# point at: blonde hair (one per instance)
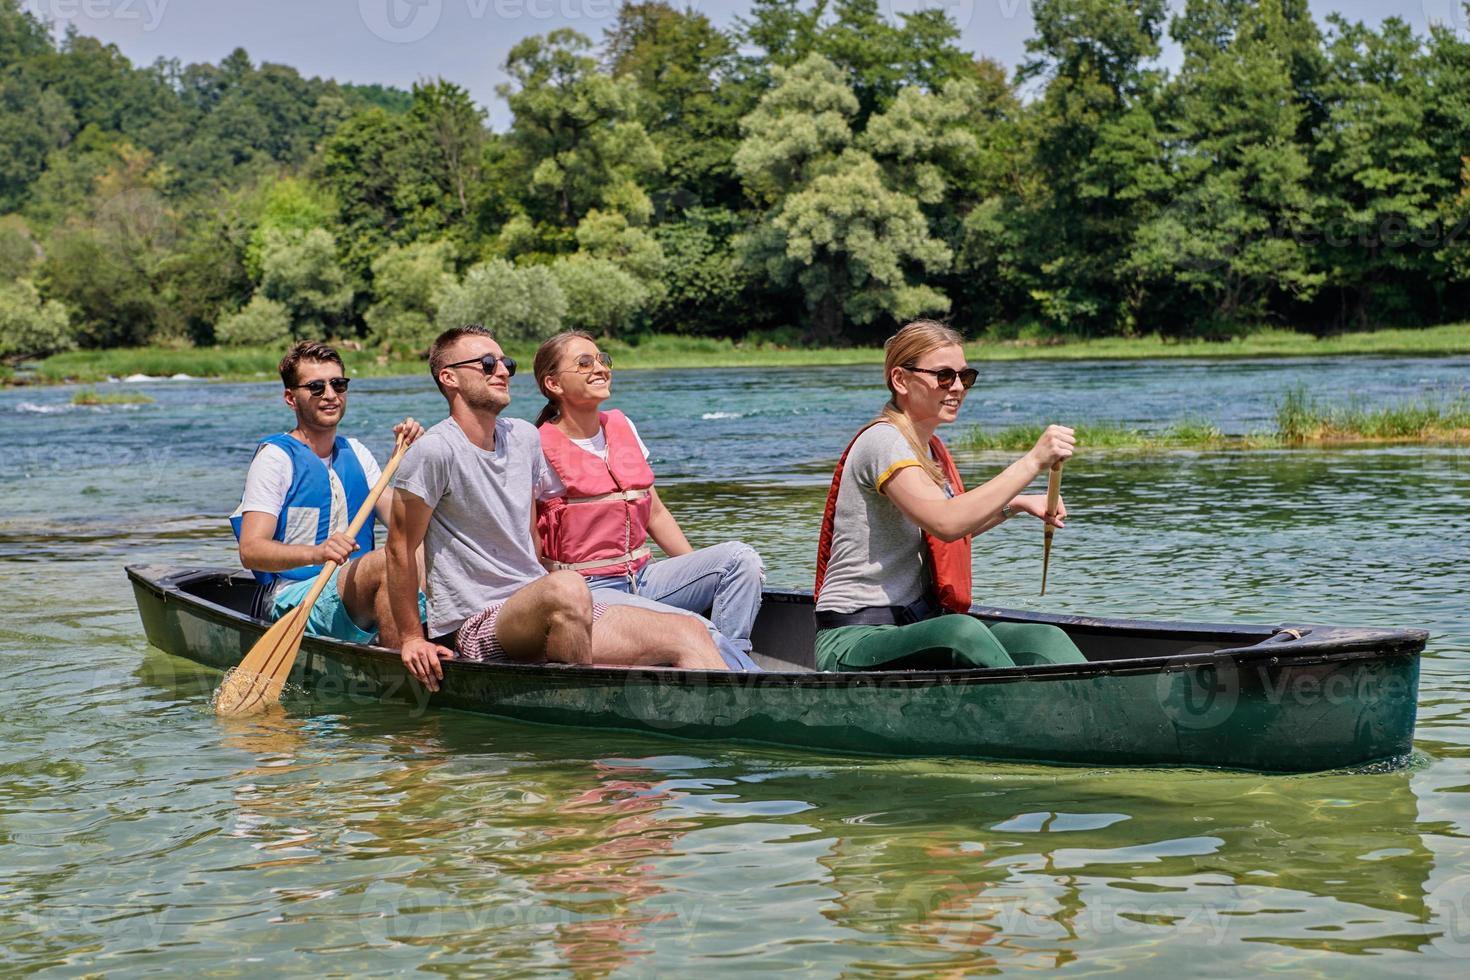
(902, 350)
(548, 356)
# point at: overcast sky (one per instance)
(396, 42)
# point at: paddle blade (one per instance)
(258, 680)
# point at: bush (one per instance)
(408, 281)
(601, 298)
(300, 270)
(515, 304)
(262, 321)
(29, 325)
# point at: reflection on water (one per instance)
(137, 830)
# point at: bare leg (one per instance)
(359, 584)
(627, 636)
(549, 619)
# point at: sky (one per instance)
(397, 42)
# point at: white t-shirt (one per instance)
(597, 446)
(269, 480)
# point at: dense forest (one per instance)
(814, 174)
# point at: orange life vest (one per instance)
(601, 526)
(949, 561)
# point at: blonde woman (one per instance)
(894, 551)
(603, 506)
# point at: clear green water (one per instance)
(139, 832)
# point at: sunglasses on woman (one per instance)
(319, 386)
(946, 376)
(584, 362)
(487, 364)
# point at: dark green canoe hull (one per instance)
(1200, 695)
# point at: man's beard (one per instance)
(484, 398)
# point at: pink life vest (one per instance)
(601, 526)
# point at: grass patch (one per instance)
(1188, 434)
(669, 351)
(91, 396)
(1300, 421)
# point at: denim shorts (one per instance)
(329, 614)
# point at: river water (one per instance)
(139, 832)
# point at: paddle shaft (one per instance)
(1053, 501)
(262, 672)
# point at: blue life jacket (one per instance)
(306, 516)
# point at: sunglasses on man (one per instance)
(487, 364)
(946, 376)
(319, 386)
(584, 362)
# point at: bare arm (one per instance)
(665, 530)
(410, 430)
(976, 510)
(406, 529)
(261, 552)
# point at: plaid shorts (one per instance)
(476, 638)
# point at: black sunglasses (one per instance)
(946, 376)
(583, 363)
(319, 387)
(487, 364)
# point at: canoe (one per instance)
(1291, 698)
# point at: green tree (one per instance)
(516, 304)
(300, 270)
(262, 322)
(288, 206)
(449, 131)
(685, 70)
(835, 228)
(408, 281)
(110, 265)
(18, 250)
(1232, 236)
(702, 279)
(601, 297)
(29, 325)
(575, 131)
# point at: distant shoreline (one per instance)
(667, 351)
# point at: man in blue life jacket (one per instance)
(302, 491)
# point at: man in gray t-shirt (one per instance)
(466, 492)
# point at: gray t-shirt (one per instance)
(479, 546)
(878, 556)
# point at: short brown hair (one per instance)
(307, 350)
(439, 352)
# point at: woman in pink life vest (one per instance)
(893, 555)
(598, 521)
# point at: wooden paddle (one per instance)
(258, 680)
(1053, 500)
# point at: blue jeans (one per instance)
(724, 580)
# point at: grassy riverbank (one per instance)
(1300, 421)
(254, 364)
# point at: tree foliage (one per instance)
(824, 168)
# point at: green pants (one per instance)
(944, 643)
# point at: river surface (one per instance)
(138, 832)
